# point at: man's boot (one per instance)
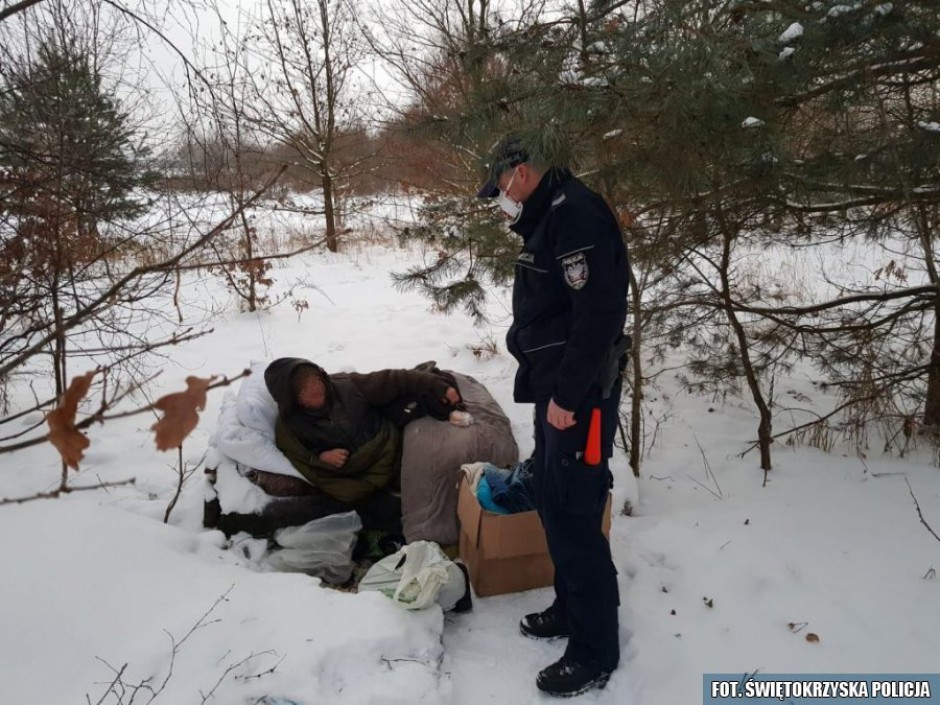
(548, 624)
(566, 678)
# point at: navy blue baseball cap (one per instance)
(509, 152)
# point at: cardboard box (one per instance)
(504, 552)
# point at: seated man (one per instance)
(342, 432)
(332, 427)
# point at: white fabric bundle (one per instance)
(416, 577)
(245, 432)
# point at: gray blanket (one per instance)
(432, 456)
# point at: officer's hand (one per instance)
(452, 396)
(559, 418)
(335, 458)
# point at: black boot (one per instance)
(548, 624)
(566, 678)
(211, 511)
(465, 603)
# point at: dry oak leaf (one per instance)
(68, 440)
(179, 413)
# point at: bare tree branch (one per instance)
(920, 514)
(100, 416)
(67, 490)
(17, 7)
(78, 317)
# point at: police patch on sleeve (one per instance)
(576, 270)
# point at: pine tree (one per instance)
(732, 128)
(65, 144)
(70, 168)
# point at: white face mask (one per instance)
(510, 207)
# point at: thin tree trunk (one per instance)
(920, 217)
(636, 403)
(329, 212)
(58, 364)
(932, 402)
(249, 251)
(765, 426)
(582, 34)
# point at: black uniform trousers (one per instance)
(571, 497)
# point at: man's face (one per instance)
(519, 182)
(509, 182)
(312, 394)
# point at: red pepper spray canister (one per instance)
(592, 451)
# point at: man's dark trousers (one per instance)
(571, 497)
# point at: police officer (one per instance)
(569, 309)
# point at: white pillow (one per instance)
(248, 446)
(256, 407)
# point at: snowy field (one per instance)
(717, 574)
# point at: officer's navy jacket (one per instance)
(570, 293)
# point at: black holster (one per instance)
(614, 363)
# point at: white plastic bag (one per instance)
(417, 576)
(322, 547)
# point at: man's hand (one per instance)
(335, 458)
(559, 418)
(452, 396)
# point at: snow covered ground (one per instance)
(717, 574)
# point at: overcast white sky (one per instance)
(192, 27)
